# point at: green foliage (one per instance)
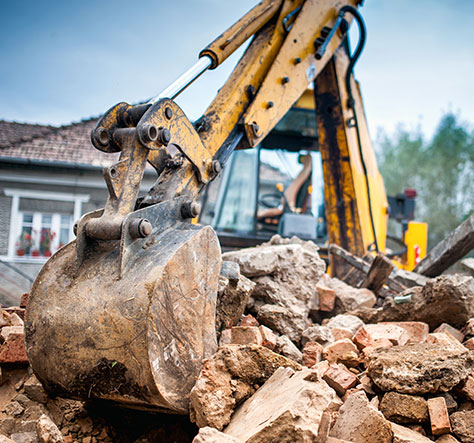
(441, 170)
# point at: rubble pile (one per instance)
(302, 357)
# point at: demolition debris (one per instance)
(372, 355)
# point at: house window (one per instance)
(42, 234)
(41, 222)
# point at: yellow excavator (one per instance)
(126, 312)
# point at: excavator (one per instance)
(126, 311)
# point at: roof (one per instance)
(68, 144)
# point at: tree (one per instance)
(441, 170)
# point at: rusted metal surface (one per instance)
(140, 339)
(339, 193)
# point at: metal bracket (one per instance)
(168, 118)
(162, 216)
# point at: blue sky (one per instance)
(63, 61)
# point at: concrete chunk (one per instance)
(211, 435)
(401, 434)
(287, 348)
(47, 431)
(228, 378)
(419, 368)
(288, 407)
(402, 408)
(360, 423)
(463, 425)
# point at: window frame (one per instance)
(16, 216)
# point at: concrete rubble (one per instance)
(302, 357)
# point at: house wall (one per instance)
(31, 182)
(5, 206)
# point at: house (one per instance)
(49, 177)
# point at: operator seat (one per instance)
(294, 197)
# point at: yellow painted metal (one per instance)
(416, 240)
(294, 67)
(306, 101)
(239, 32)
(227, 108)
(377, 188)
(183, 136)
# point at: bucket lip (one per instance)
(180, 400)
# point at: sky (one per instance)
(63, 61)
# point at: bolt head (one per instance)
(102, 136)
(255, 129)
(190, 209)
(216, 167)
(145, 228)
(164, 136)
(168, 113)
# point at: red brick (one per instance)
(445, 327)
(396, 334)
(342, 351)
(248, 320)
(16, 310)
(327, 298)
(312, 354)
(341, 333)
(241, 335)
(340, 379)
(13, 349)
(269, 339)
(417, 331)
(24, 300)
(439, 417)
(362, 338)
(469, 344)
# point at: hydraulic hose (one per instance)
(351, 104)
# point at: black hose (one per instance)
(351, 103)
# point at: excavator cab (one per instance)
(275, 188)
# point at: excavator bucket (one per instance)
(131, 322)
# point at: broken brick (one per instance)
(241, 335)
(312, 353)
(269, 339)
(439, 417)
(341, 333)
(327, 298)
(340, 379)
(24, 300)
(342, 351)
(367, 334)
(13, 349)
(445, 327)
(248, 320)
(417, 331)
(469, 344)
